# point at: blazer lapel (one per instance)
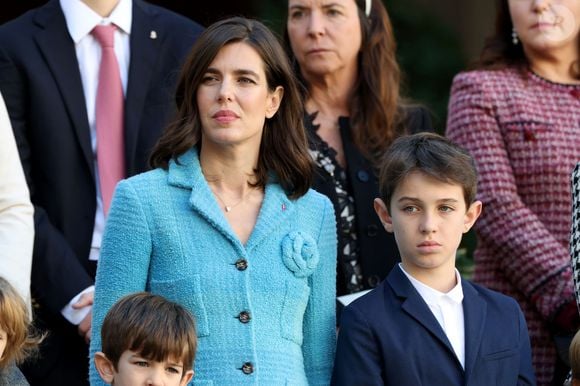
(474, 314)
(58, 49)
(414, 305)
(143, 58)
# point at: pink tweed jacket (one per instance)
(524, 133)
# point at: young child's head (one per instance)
(17, 340)
(427, 199)
(575, 359)
(146, 337)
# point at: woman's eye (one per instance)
(333, 12)
(209, 79)
(247, 81)
(295, 15)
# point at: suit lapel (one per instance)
(58, 49)
(414, 305)
(475, 312)
(143, 58)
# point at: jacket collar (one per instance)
(276, 207)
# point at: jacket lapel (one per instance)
(58, 49)
(414, 305)
(143, 59)
(474, 311)
(276, 207)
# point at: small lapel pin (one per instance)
(283, 206)
(153, 34)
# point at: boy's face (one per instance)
(134, 370)
(428, 218)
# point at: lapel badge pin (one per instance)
(153, 34)
(283, 206)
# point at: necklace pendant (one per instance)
(228, 208)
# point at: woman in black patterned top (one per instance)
(345, 55)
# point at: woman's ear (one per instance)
(383, 213)
(274, 100)
(104, 367)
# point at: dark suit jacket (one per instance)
(41, 84)
(364, 185)
(391, 337)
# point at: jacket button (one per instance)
(372, 230)
(373, 281)
(244, 317)
(248, 368)
(363, 176)
(241, 264)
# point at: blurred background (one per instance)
(436, 40)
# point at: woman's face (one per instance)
(325, 35)
(546, 26)
(234, 99)
(3, 341)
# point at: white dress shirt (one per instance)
(447, 309)
(80, 21)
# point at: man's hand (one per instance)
(84, 327)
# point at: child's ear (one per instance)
(104, 367)
(186, 377)
(471, 215)
(383, 213)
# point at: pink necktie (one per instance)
(109, 116)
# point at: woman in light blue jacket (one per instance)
(226, 223)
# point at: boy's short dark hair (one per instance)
(432, 155)
(152, 326)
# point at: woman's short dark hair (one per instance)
(284, 147)
(499, 51)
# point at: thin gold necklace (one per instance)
(227, 207)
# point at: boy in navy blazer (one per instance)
(425, 325)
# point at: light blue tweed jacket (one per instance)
(166, 234)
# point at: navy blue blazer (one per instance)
(41, 84)
(391, 337)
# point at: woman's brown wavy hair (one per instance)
(376, 108)
(499, 51)
(284, 147)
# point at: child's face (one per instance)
(3, 341)
(428, 218)
(134, 370)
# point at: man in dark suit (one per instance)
(49, 72)
(424, 325)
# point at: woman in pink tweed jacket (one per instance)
(519, 116)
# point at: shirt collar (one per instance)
(81, 19)
(432, 296)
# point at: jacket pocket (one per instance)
(493, 356)
(187, 292)
(295, 302)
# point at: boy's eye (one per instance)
(446, 208)
(173, 370)
(141, 363)
(410, 209)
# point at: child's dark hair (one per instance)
(152, 326)
(432, 155)
(21, 338)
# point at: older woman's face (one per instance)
(546, 26)
(325, 35)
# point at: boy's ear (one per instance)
(186, 377)
(104, 367)
(471, 215)
(383, 213)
